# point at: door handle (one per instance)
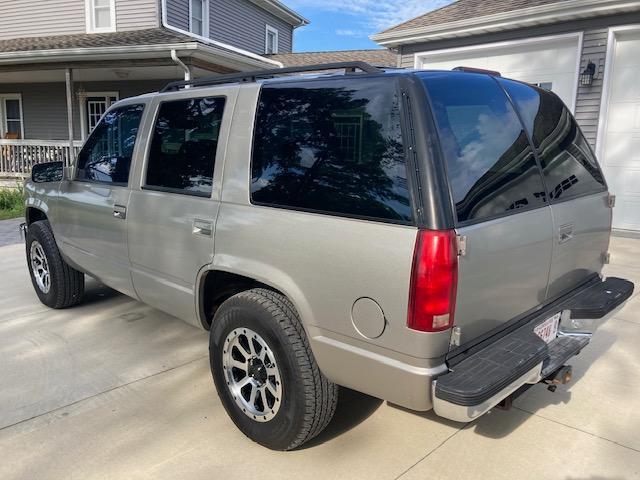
(565, 234)
(202, 227)
(120, 211)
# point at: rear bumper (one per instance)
(484, 378)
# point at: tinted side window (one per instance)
(106, 156)
(331, 146)
(490, 162)
(183, 147)
(569, 165)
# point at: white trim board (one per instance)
(578, 36)
(609, 65)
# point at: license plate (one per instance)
(548, 330)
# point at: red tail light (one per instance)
(434, 280)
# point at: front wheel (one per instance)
(265, 372)
(56, 283)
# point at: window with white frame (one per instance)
(271, 40)
(199, 17)
(93, 105)
(12, 126)
(101, 16)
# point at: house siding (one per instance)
(44, 105)
(594, 48)
(178, 13)
(240, 23)
(27, 18)
(137, 14)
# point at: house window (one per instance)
(271, 40)
(11, 115)
(93, 105)
(199, 17)
(100, 16)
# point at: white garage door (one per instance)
(621, 149)
(549, 63)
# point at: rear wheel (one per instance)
(56, 283)
(265, 372)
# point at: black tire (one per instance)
(308, 398)
(66, 285)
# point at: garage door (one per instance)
(621, 149)
(549, 63)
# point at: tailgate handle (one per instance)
(566, 234)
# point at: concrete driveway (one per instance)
(115, 389)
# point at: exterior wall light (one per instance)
(586, 77)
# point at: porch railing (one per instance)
(18, 156)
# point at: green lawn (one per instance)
(11, 203)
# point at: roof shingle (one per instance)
(466, 9)
(153, 36)
(379, 57)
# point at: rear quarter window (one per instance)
(569, 166)
(491, 167)
(332, 146)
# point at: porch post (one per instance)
(68, 75)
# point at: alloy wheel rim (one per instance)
(40, 267)
(252, 374)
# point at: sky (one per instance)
(347, 24)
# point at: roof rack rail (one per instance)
(243, 77)
(493, 73)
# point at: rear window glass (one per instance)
(333, 147)
(491, 167)
(569, 166)
(183, 147)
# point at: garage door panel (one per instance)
(622, 150)
(551, 61)
(624, 117)
(625, 85)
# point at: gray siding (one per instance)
(44, 105)
(242, 24)
(594, 49)
(239, 23)
(137, 14)
(29, 18)
(178, 13)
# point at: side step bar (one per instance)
(483, 379)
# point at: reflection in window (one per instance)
(331, 146)
(106, 156)
(569, 165)
(183, 148)
(490, 163)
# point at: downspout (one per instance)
(181, 64)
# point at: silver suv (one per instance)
(431, 238)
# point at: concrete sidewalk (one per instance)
(115, 389)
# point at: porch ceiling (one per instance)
(99, 71)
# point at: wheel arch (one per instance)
(34, 214)
(220, 282)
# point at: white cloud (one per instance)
(349, 32)
(374, 15)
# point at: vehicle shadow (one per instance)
(353, 409)
(96, 292)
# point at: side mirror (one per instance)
(47, 172)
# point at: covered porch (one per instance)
(52, 98)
